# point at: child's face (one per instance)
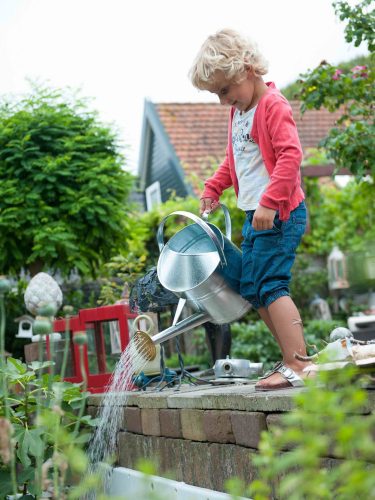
(240, 95)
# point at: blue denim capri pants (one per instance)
(268, 256)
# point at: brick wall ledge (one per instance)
(201, 435)
(208, 397)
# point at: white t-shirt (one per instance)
(251, 172)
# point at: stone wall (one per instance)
(202, 435)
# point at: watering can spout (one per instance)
(182, 326)
(146, 345)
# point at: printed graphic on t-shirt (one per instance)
(241, 135)
(251, 172)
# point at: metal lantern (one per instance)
(337, 270)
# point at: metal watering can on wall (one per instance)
(202, 267)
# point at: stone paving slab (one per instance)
(209, 397)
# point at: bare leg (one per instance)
(264, 314)
(287, 323)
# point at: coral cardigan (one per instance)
(275, 132)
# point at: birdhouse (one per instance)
(25, 327)
(337, 270)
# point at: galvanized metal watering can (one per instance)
(202, 267)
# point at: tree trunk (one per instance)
(36, 267)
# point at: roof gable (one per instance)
(198, 131)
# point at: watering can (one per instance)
(203, 268)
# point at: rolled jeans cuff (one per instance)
(274, 296)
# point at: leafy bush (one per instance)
(350, 144)
(63, 190)
(328, 421)
(40, 418)
(342, 217)
(306, 283)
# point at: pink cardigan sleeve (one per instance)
(287, 151)
(221, 180)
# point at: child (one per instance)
(262, 163)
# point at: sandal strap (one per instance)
(273, 370)
(289, 374)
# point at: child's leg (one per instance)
(264, 314)
(289, 334)
(285, 316)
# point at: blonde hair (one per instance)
(228, 52)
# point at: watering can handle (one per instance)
(148, 320)
(201, 223)
(228, 222)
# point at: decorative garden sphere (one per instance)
(340, 333)
(42, 290)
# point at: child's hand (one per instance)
(263, 218)
(208, 205)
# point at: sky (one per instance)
(121, 52)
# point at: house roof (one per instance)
(198, 131)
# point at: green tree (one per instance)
(63, 190)
(350, 144)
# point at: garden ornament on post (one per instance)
(337, 274)
(42, 290)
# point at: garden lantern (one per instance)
(337, 270)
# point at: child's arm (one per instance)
(215, 185)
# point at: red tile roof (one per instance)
(198, 131)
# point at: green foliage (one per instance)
(344, 217)
(254, 341)
(349, 144)
(292, 91)
(42, 431)
(306, 283)
(40, 417)
(201, 354)
(122, 270)
(328, 421)
(63, 190)
(361, 22)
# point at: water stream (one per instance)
(103, 445)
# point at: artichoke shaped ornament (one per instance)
(42, 290)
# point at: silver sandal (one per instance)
(291, 378)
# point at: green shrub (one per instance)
(328, 421)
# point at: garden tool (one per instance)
(236, 370)
(203, 268)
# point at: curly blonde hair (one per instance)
(230, 53)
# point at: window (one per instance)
(153, 195)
